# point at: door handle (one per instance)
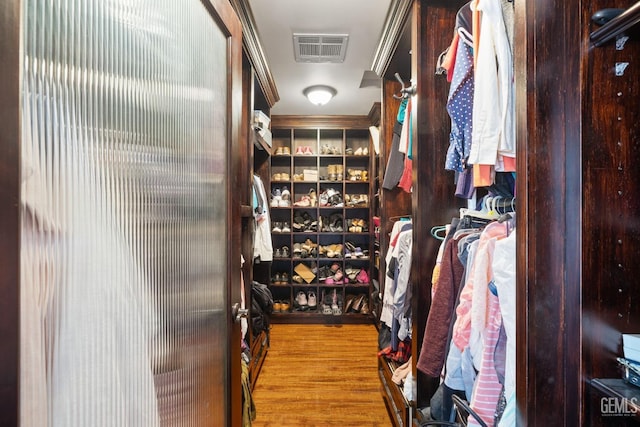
(239, 313)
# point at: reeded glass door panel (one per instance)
(123, 258)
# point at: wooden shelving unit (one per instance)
(314, 162)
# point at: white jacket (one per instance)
(262, 244)
(493, 102)
(504, 270)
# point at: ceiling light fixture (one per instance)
(319, 94)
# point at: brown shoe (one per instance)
(356, 305)
(348, 302)
(364, 308)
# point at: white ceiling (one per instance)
(277, 20)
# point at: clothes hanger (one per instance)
(506, 205)
(439, 229)
(400, 218)
(485, 213)
(510, 222)
(494, 205)
(466, 36)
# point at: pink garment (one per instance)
(483, 274)
(406, 182)
(462, 327)
(509, 164)
(487, 387)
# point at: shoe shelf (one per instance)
(259, 349)
(322, 238)
(401, 411)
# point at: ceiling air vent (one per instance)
(320, 47)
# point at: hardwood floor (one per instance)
(320, 375)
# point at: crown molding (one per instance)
(253, 49)
(324, 122)
(391, 32)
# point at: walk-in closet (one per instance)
(385, 213)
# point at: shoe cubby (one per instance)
(320, 193)
(356, 194)
(331, 221)
(305, 195)
(357, 143)
(356, 303)
(305, 142)
(305, 220)
(305, 299)
(281, 300)
(357, 221)
(305, 169)
(305, 247)
(331, 169)
(281, 143)
(280, 169)
(331, 246)
(331, 142)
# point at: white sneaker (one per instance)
(276, 198)
(301, 299)
(285, 194)
(286, 228)
(313, 301)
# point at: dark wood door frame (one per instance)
(237, 137)
(9, 209)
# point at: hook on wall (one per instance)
(405, 92)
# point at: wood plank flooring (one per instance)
(320, 375)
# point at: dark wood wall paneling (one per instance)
(611, 208)
(548, 51)
(246, 179)
(434, 202)
(578, 210)
(246, 147)
(9, 212)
